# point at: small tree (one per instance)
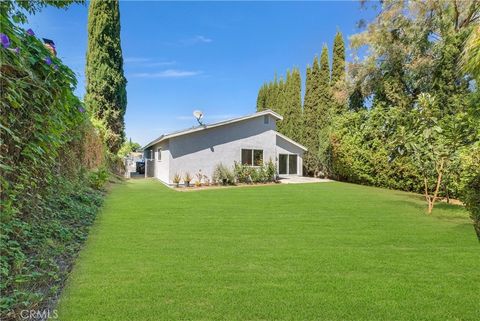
(432, 143)
(128, 147)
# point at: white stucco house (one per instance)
(249, 140)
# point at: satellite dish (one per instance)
(198, 115)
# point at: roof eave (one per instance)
(199, 128)
(288, 139)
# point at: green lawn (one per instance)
(328, 251)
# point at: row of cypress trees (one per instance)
(325, 95)
(284, 97)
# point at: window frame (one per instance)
(252, 157)
(159, 154)
(288, 157)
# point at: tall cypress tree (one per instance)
(311, 117)
(261, 98)
(325, 113)
(284, 97)
(338, 82)
(279, 101)
(106, 95)
(338, 59)
(324, 91)
(271, 96)
(295, 106)
(282, 104)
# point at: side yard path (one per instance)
(281, 252)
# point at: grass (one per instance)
(328, 251)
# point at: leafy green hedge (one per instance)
(470, 183)
(362, 146)
(48, 149)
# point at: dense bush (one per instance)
(362, 151)
(248, 174)
(38, 250)
(223, 175)
(98, 178)
(470, 183)
(48, 147)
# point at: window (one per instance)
(257, 157)
(266, 119)
(252, 157)
(159, 154)
(247, 157)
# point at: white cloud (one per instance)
(147, 62)
(195, 40)
(202, 39)
(136, 59)
(169, 73)
(160, 63)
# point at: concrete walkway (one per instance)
(302, 180)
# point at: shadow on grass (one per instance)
(441, 210)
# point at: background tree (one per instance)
(284, 97)
(128, 147)
(414, 49)
(338, 81)
(106, 96)
(281, 103)
(325, 111)
(289, 105)
(261, 98)
(311, 118)
(471, 53)
(272, 93)
(294, 113)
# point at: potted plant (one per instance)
(176, 179)
(187, 179)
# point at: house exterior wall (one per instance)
(286, 147)
(162, 166)
(149, 162)
(204, 150)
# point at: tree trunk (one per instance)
(432, 199)
(427, 194)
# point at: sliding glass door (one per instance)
(292, 164)
(287, 164)
(282, 164)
